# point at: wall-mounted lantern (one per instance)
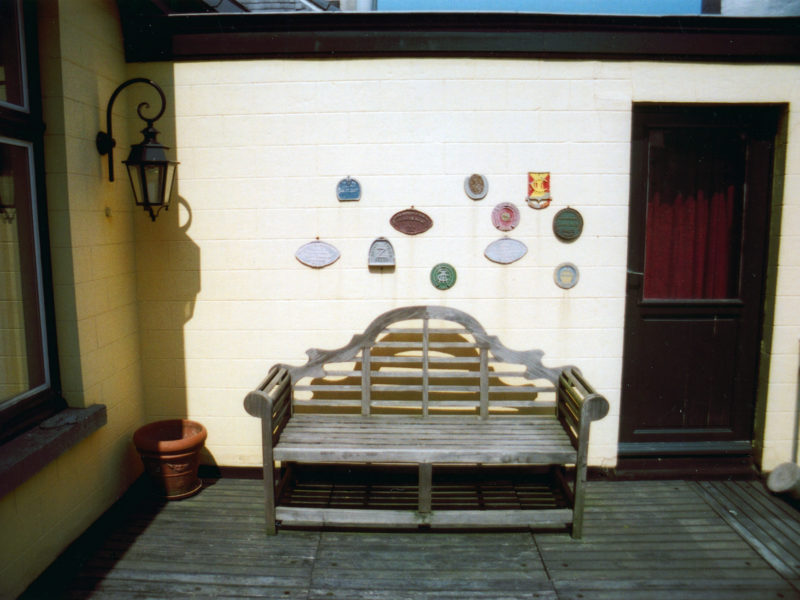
(151, 173)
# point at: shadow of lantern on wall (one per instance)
(151, 172)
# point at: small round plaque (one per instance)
(566, 275)
(476, 186)
(443, 276)
(505, 216)
(568, 224)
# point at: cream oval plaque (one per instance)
(317, 254)
(505, 251)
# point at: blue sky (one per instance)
(614, 7)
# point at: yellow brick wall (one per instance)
(95, 292)
(262, 145)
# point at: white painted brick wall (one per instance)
(262, 145)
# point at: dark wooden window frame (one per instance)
(151, 34)
(25, 125)
(37, 429)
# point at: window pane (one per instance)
(12, 85)
(694, 214)
(22, 364)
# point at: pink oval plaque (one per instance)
(411, 221)
(505, 216)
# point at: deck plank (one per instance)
(768, 525)
(642, 541)
(651, 540)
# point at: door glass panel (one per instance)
(22, 366)
(694, 213)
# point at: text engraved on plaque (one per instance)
(568, 224)
(317, 254)
(505, 251)
(381, 253)
(411, 221)
(348, 190)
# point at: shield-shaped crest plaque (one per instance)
(539, 190)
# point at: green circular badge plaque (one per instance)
(443, 276)
(568, 224)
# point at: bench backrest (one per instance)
(423, 360)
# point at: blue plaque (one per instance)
(348, 190)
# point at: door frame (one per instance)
(761, 122)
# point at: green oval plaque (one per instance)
(568, 224)
(443, 276)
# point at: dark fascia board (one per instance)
(154, 36)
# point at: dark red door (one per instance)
(699, 217)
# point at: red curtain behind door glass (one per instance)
(693, 216)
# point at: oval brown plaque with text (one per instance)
(411, 221)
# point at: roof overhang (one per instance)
(152, 35)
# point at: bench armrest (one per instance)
(578, 404)
(272, 402)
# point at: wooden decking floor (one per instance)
(642, 540)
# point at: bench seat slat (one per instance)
(315, 403)
(434, 374)
(336, 438)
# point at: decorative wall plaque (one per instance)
(381, 253)
(539, 190)
(568, 224)
(443, 276)
(505, 216)
(566, 275)
(411, 221)
(476, 186)
(505, 251)
(348, 190)
(317, 254)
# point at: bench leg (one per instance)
(578, 501)
(425, 487)
(269, 477)
(269, 499)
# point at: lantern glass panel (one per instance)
(170, 183)
(136, 184)
(154, 183)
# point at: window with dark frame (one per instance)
(28, 365)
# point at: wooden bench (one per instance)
(425, 386)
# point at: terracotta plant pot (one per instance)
(170, 451)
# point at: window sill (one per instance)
(31, 451)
